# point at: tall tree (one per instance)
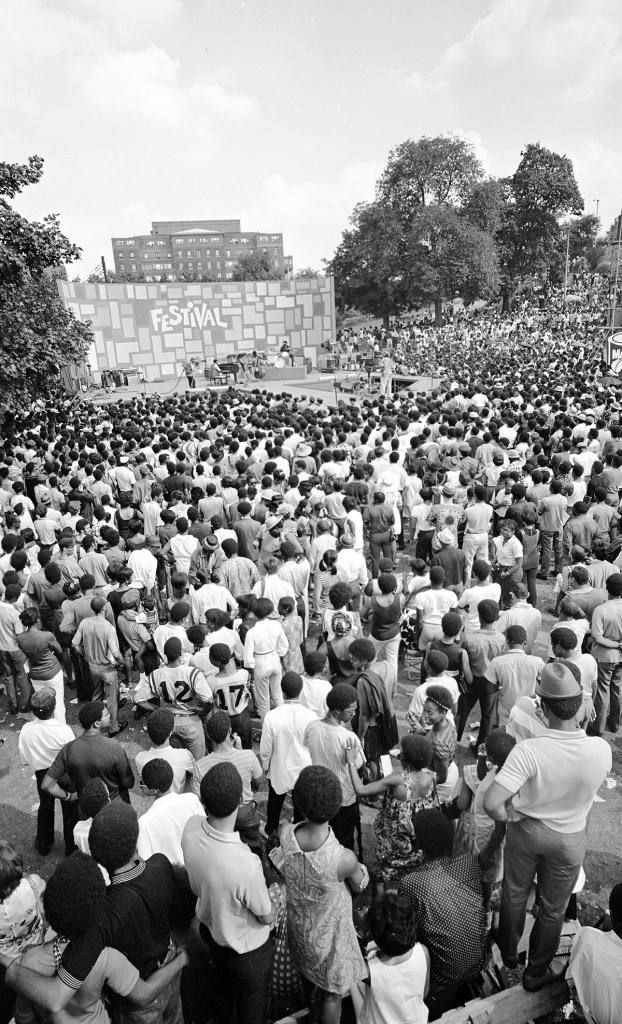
(446, 254)
(38, 335)
(428, 172)
(541, 191)
(256, 266)
(369, 265)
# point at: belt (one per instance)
(185, 714)
(263, 654)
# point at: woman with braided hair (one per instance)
(442, 734)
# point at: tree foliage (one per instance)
(38, 335)
(369, 263)
(428, 172)
(256, 266)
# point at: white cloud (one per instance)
(559, 51)
(312, 214)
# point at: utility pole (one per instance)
(615, 285)
(597, 201)
(566, 266)
(104, 270)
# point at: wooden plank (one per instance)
(512, 1006)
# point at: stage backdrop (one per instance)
(158, 326)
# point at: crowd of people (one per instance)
(221, 566)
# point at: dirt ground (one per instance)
(603, 865)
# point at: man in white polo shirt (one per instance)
(545, 791)
(234, 907)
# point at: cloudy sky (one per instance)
(282, 113)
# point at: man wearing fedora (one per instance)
(207, 558)
(544, 792)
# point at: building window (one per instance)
(179, 241)
(180, 266)
(265, 250)
(133, 268)
(229, 277)
(188, 252)
(161, 242)
(243, 241)
(132, 255)
(151, 243)
(215, 238)
(199, 266)
(274, 238)
(216, 252)
(228, 252)
(179, 252)
(191, 266)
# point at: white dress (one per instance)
(395, 992)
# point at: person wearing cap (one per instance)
(607, 649)
(565, 647)
(545, 792)
(206, 558)
(39, 742)
(185, 691)
(96, 641)
(513, 675)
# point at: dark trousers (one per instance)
(532, 847)
(274, 808)
(423, 547)
(529, 579)
(245, 977)
(241, 724)
(551, 540)
(13, 675)
(45, 818)
(608, 699)
(344, 824)
(485, 692)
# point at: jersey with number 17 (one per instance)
(231, 692)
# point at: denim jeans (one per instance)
(13, 675)
(556, 857)
(551, 539)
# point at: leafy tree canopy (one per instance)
(428, 172)
(38, 335)
(256, 266)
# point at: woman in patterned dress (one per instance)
(404, 792)
(319, 907)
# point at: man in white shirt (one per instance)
(161, 827)
(545, 792)
(160, 725)
(39, 743)
(182, 546)
(143, 565)
(282, 752)
(596, 965)
(264, 646)
(521, 613)
(234, 908)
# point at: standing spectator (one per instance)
(160, 726)
(596, 965)
(234, 908)
(328, 739)
(161, 827)
(39, 743)
(96, 640)
(319, 915)
(607, 649)
(282, 751)
(552, 511)
(90, 756)
(12, 660)
(187, 693)
(553, 780)
(264, 646)
(44, 654)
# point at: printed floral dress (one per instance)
(397, 851)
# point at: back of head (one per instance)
(440, 696)
(91, 713)
(436, 662)
(317, 794)
(498, 746)
(488, 612)
(451, 623)
(434, 833)
(160, 725)
(437, 576)
(291, 685)
(180, 611)
(113, 835)
(172, 649)
(481, 569)
(393, 923)
(218, 726)
(73, 895)
(221, 790)
(94, 796)
(157, 774)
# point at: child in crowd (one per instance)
(398, 967)
(315, 685)
(436, 675)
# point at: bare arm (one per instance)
(495, 801)
(49, 993)
(144, 992)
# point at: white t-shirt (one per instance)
(596, 965)
(434, 604)
(314, 693)
(161, 827)
(419, 696)
(555, 777)
(470, 599)
(180, 760)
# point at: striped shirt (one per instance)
(327, 743)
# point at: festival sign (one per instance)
(614, 353)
